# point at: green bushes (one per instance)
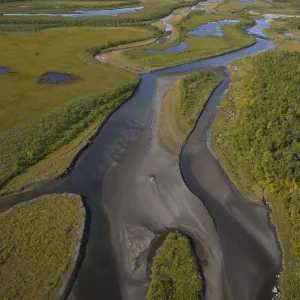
(25, 144)
(195, 90)
(259, 132)
(38, 241)
(182, 106)
(175, 272)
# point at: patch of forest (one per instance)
(257, 137)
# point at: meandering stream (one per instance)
(238, 250)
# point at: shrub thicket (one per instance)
(27, 143)
(175, 274)
(261, 135)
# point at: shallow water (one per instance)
(86, 13)
(247, 2)
(55, 78)
(259, 26)
(178, 48)
(212, 28)
(249, 269)
(4, 70)
(289, 34)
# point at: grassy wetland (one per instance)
(49, 116)
(199, 47)
(39, 241)
(52, 122)
(182, 106)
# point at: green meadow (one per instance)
(152, 10)
(39, 119)
(38, 240)
(199, 47)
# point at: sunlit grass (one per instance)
(38, 241)
(38, 119)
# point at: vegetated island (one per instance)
(175, 273)
(182, 106)
(256, 136)
(40, 242)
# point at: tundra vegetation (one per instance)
(50, 123)
(175, 274)
(182, 106)
(199, 47)
(38, 240)
(256, 136)
(42, 118)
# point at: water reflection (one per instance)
(212, 28)
(178, 48)
(86, 13)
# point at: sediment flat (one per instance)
(151, 193)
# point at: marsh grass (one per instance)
(40, 119)
(38, 240)
(153, 10)
(199, 47)
(182, 106)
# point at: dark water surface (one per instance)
(3, 70)
(249, 268)
(212, 28)
(86, 13)
(55, 78)
(247, 2)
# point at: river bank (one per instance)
(151, 194)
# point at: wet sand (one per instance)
(250, 248)
(159, 202)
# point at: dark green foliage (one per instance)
(195, 90)
(262, 135)
(175, 274)
(24, 145)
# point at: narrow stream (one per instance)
(249, 248)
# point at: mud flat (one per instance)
(151, 194)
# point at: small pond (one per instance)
(212, 28)
(289, 34)
(86, 13)
(178, 48)
(3, 70)
(55, 78)
(247, 2)
(259, 26)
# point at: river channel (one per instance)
(232, 236)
